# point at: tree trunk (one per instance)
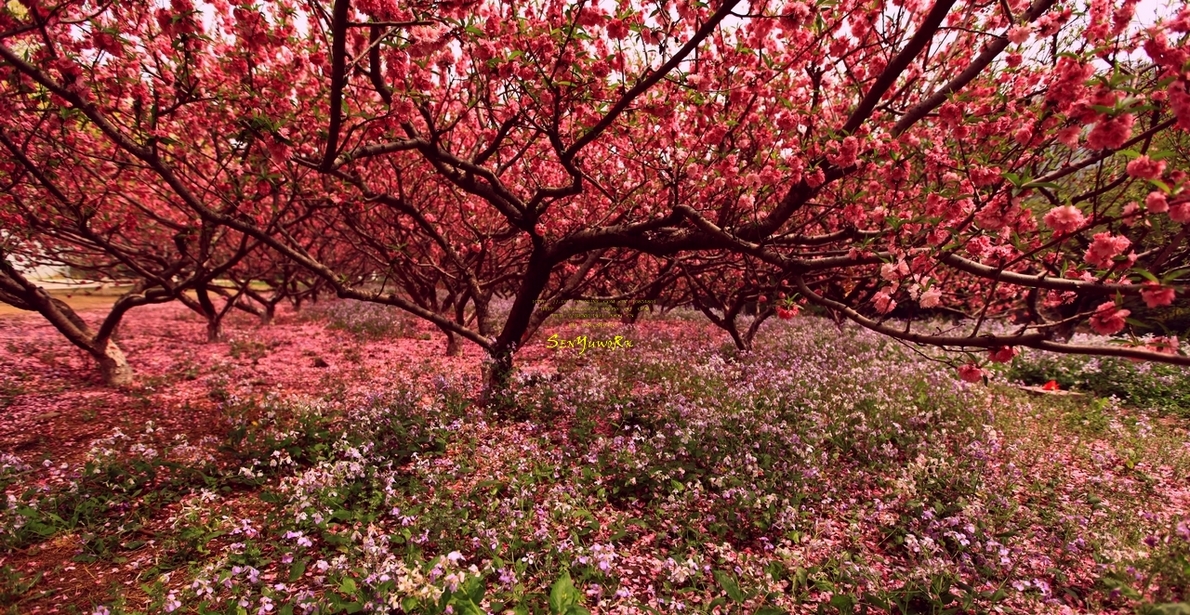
(742, 343)
(750, 335)
(499, 371)
(113, 366)
(214, 330)
(268, 313)
(497, 376)
(453, 349)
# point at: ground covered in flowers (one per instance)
(334, 462)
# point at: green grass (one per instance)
(1141, 385)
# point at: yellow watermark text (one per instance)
(582, 342)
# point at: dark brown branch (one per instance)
(643, 85)
(338, 72)
(1038, 281)
(972, 71)
(888, 77)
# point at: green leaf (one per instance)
(474, 589)
(299, 568)
(730, 586)
(1146, 275)
(464, 606)
(843, 602)
(563, 595)
(770, 610)
(347, 586)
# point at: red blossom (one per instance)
(1003, 354)
(970, 372)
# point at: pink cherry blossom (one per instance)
(1108, 319)
(1065, 219)
(930, 298)
(1146, 168)
(884, 302)
(1018, 34)
(1163, 345)
(1111, 133)
(894, 271)
(1155, 295)
(1104, 247)
(1156, 202)
(1069, 136)
(1180, 212)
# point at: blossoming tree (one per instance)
(995, 155)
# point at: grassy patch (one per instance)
(365, 321)
(1141, 385)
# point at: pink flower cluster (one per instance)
(1146, 168)
(1104, 247)
(1156, 295)
(1111, 132)
(1108, 319)
(848, 150)
(1065, 220)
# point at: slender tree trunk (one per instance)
(214, 330)
(114, 367)
(268, 313)
(499, 369)
(19, 292)
(453, 349)
(497, 377)
(758, 320)
(743, 343)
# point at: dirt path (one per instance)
(77, 298)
